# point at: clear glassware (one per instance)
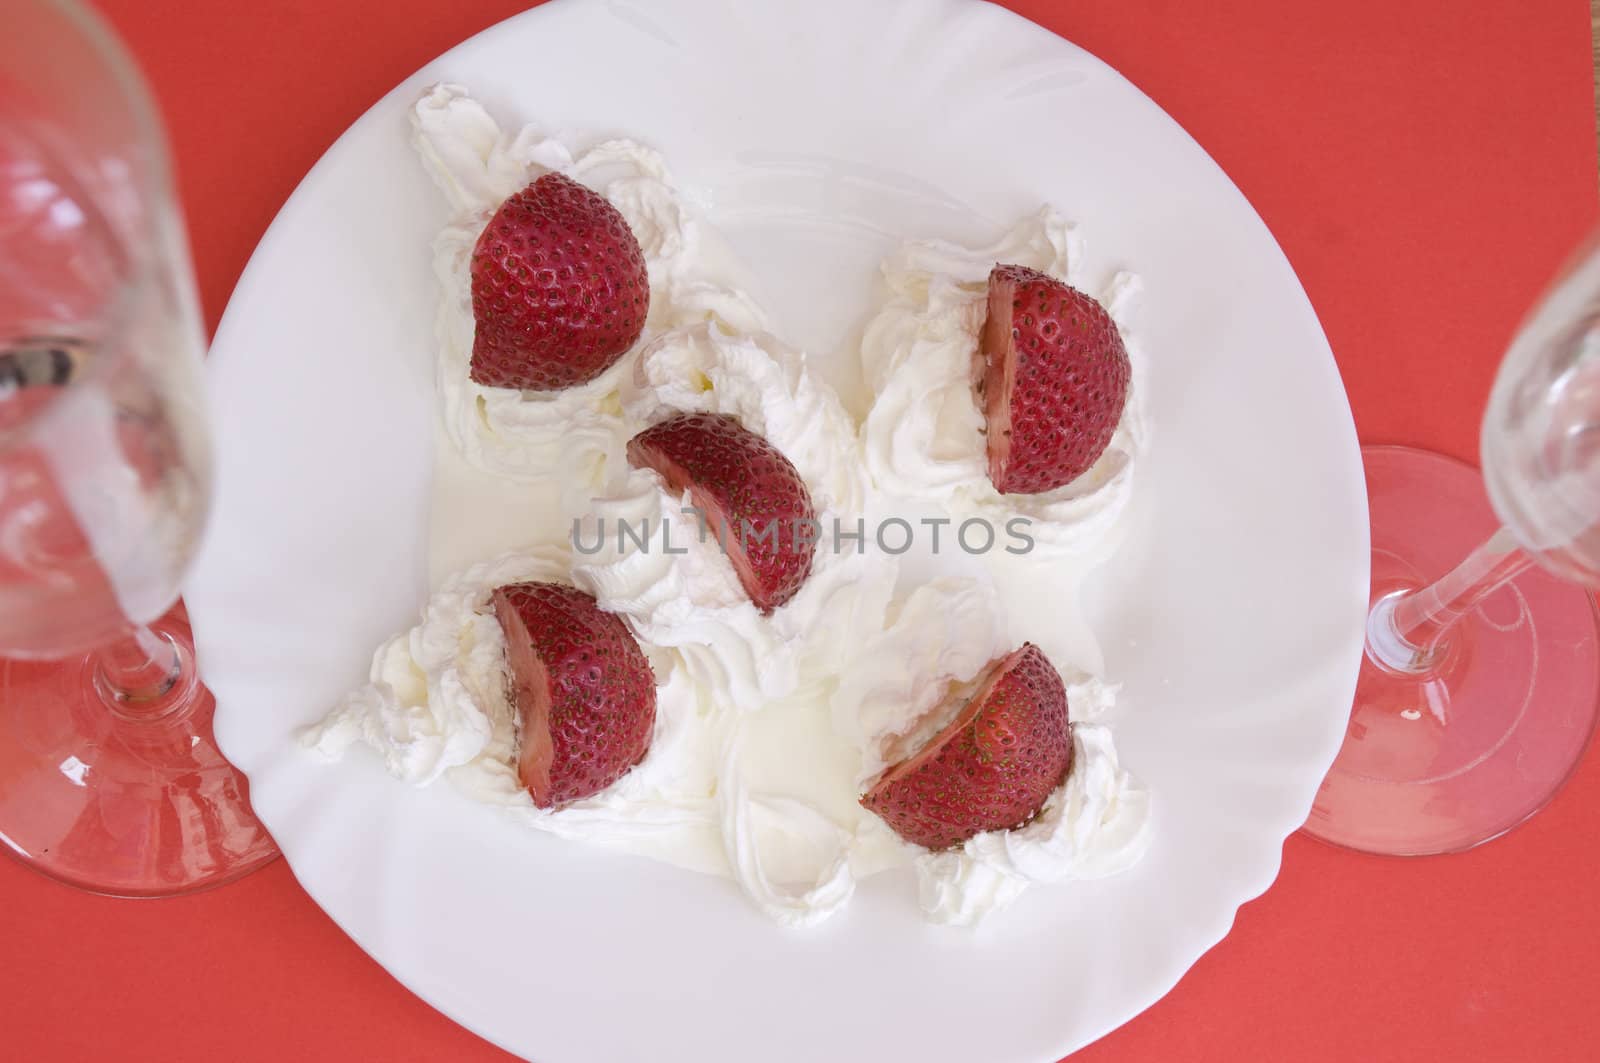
(110, 779)
(1478, 692)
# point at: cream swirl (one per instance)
(1097, 822)
(923, 435)
(769, 387)
(677, 588)
(704, 797)
(1095, 825)
(530, 435)
(436, 704)
(768, 726)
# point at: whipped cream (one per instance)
(1097, 823)
(768, 727)
(693, 600)
(437, 704)
(923, 436)
(678, 589)
(575, 433)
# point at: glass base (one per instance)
(1447, 761)
(131, 801)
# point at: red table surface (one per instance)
(1424, 163)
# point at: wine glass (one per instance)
(110, 779)
(1478, 692)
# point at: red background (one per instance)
(1425, 164)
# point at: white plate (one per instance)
(1233, 615)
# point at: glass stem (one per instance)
(142, 666)
(1405, 631)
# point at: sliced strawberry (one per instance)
(559, 290)
(1052, 377)
(992, 767)
(583, 690)
(752, 498)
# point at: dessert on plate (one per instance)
(682, 587)
(1005, 749)
(717, 665)
(748, 495)
(494, 420)
(937, 425)
(922, 719)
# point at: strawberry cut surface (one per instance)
(992, 767)
(584, 691)
(752, 498)
(1052, 376)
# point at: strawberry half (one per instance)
(990, 768)
(559, 289)
(582, 688)
(1052, 378)
(751, 497)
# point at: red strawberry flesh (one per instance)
(994, 370)
(559, 289)
(583, 690)
(752, 498)
(992, 767)
(1052, 377)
